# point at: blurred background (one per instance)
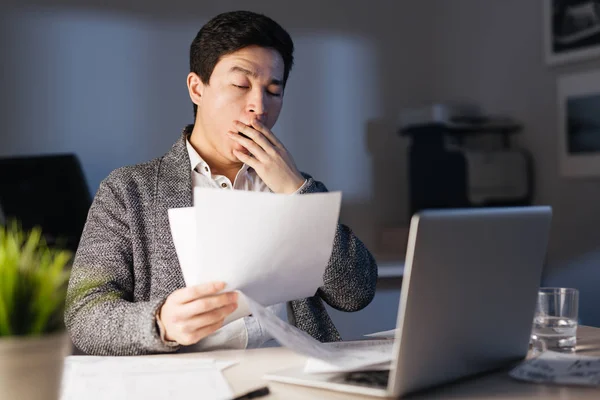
(105, 82)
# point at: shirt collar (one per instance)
(195, 159)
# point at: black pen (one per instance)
(260, 392)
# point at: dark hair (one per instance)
(232, 31)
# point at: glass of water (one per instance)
(555, 320)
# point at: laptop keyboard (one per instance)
(377, 379)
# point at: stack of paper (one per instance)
(143, 377)
(272, 247)
(374, 348)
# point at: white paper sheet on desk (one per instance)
(144, 377)
(183, 231)
(149, 361)
(383, 347)
(559, 368)
(347, 357)
(272, 247)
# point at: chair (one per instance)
(49, 191)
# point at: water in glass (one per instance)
(554, 334)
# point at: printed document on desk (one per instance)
(272, 247)
(143, 377)
(559, 368)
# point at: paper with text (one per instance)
(142, 377)
(559, 368)
(348, 357)
(273, 247)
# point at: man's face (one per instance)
(244, 85)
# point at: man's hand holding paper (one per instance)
(192, 313)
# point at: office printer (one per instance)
(461, 157)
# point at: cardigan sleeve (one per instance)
(351, 275)
(100, 314)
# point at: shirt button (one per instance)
(223, 185)
(206, 169)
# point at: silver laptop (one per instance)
(466, 304)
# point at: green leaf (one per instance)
(33, 282)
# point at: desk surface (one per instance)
(253, 364)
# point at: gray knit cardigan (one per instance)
(126, 264)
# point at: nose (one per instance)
(257, 104)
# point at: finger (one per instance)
(191, 293)
(250, 145)
(205, 331)
(256, 124)
(255, 135)
(208, 304)
(194, 337)
(246, 159)
(210, 318)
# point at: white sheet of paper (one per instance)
(223, 365)
(183, 230)
(559, 368)
(316, 366)
(273, 247)
(347, 357)
(145, 377)
(383, 334)
(382, 347)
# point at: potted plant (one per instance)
(33, 340)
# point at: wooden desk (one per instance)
(253, 364)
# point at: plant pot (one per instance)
(31, 367)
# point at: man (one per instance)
(126, 294)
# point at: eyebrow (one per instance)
(254, 74)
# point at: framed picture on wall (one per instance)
(571, 30)
(579, 124)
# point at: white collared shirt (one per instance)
(245, 332)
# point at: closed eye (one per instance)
(248, 87)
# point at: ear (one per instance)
(195, 88)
